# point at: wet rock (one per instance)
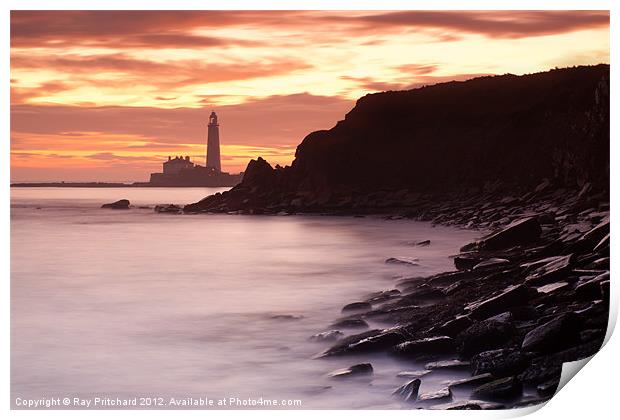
(560, 332)
(553, 287)
(465, 262)
(484, 335)
(591, 289)
(447, 364)
(491, 262)
(437, 397)
(499, 363)
(470, 382)
(286, 317)
(499, 389)
(408, 391)
(423, 243)
(381, 340)
(548, 388)
(605, 290)
(117, 205)
(520, 232)
(553, 270)
(362, 369)
(350, 323)
(402, 260)
(357, 307)
(455, 326)
(331, 335)
(457, 405)
(431, 345)
(511, 296)
(505, 317)
(168, 208)
(382, 296)
(413, 374)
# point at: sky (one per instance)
(109, 95)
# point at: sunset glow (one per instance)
(108, 96)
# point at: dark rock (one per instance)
(350, 323)
(117, 205)
(168, 208)
(413, 374)
(447, 365)
(382, 296)
(357, 307)
(437, 397)
(591, 289)
(402, 260)
(455, 326)
(331, 335)
(465, 262)
(511, 296)
(491, 262)
(520, 232)
(408, 391)
(424, 346)
(258, 173)
(499, 363)
(505, 317)
(561, 332)
(457, 405)
(471, 382)
(551, 271)
(382, 340)
(548, 388)
(499, 389)
(423, 243)
(362, 369)
(484, 335)
(553, 287)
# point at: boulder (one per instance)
(258, 173)
(447, 364)
(357, 307)
(466, 262)
(168, 208)
(471, 382)
(350, 323)
(380, 341)
(331, 335)
(436, 397)
(117, 205)
(511, 296)
(413, 373)
(520, 232)
(500, 363)
(454, 326)
(362, 369)
(425, 346)
(408, 391)
(499, 389)
(548, 388)
(551, 271)
(591, 289)
(402, 260)
(557, 334)
(484, 335)
(491, 262)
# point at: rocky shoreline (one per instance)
(521, 301)
(524, 157)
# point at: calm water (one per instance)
(133, 303)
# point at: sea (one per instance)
(138, 309)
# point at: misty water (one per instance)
(132, 303)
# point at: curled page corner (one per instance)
(569, 370)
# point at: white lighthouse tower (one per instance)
(213, 144)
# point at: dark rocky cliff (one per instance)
(505, 130)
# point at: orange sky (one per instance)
(106, 96)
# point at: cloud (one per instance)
(177, 29)
(496, 24)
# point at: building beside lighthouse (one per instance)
(180, 171)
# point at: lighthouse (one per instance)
(213, 144)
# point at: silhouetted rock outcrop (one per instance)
(117, 205)
(451, 137)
